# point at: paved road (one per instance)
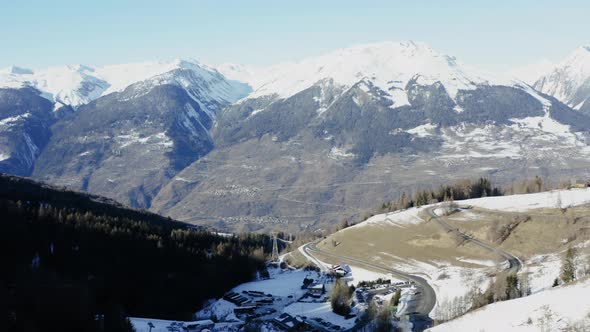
(425, 301)
(514, 264)
(420, 306)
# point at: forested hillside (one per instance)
(78, 262)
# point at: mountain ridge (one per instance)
(307, 143)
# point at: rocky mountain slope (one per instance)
(123, 141)
(25, 120)
(128, 144)
(76, 85)
(569, 81)
(301, 144)
(368, 123)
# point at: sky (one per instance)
(495, 35)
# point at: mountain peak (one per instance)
(579, 55)
(187, 63)
(387, 64)
(567, 77)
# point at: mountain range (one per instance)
(295, 145)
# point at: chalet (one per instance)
(235, 298)
(340, 270)
(288, 322)
(316, 289)
(245, 310)
(199, 326)
(268, 300)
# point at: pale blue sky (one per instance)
(492, 34)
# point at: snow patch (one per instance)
(11, 120)
(525, 202)
(319, 310)
(159, 139)
(398, 218)
(422, 130)
(338, 153)
(552, 310)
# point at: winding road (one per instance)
(420, 306)
(425, 300)
(514, 264)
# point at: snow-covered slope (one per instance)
(568, 77)
(548, 199)
(388, 65)
(69, 85)
(77, 84)
(555, 310)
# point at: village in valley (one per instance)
(297, 299)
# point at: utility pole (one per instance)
(275, 247)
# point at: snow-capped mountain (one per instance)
(340, 130)
(25, 120)
(133, 115)
(389, 66)
(247, 147)
(76, 85)
(569, 80)
(67, 85)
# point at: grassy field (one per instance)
(533, 232)
(393, 245)
(525, 234)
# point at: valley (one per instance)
(195, 166)
(450, 258)
(296, 146)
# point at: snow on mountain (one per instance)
(70, 85)
(563, 308)
(78, 84)
(204, 84)
(530, 73)
(567, 77)
(388, 65)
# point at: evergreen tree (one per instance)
(568, 266)
(512, 291)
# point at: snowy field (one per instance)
(553, 310)
(319, 310)
(543, 269)
(359, 274)
(450, 282)
(520, 203)
(281, 283)
(517, 203)
(401, 218)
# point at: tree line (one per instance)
(75, 269)
(460, 190)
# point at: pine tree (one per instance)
(512, 290)
(568, 266)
